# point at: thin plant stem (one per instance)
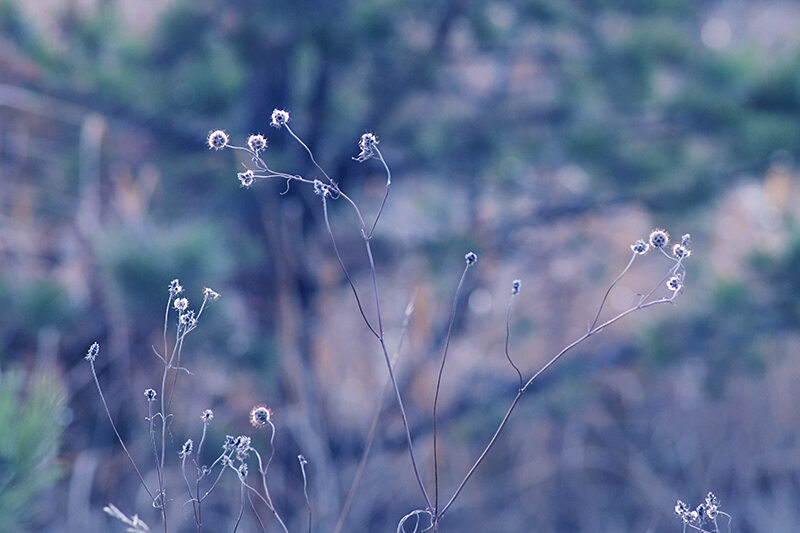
(348, 502)
(439, 386)
(508, 337)
(385, 195)
(310, 154)
(122, 442)
(303, 463)
(608, 291)
(344, 269)
(241, 510)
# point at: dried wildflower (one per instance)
(225, 461)
(207, 416)
(257, 143)
(640, 247)
(680, 251)
(516, 285)
(674, 284)
(217, 140)
(279, 118)
(681, 508)
(320, 189)
(367, 145)
(659, 238)
(471, 258)
(210, 294)
(242, 470)
(229, 444)
(242, 446)
(188, 318)
(181, 304)
(686, 240)
(150, 394)
(711, 499)
(175, 287)
(91, 355)
(246, 178)
(260, 416)
(186, 450)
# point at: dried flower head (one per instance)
(257, 143)
(188, 318)
(471, 258)
(711, 499)
(242, 470)
(229, 443)
(150, 394)
(91, 355)
(680, 251)
(686, 240)
(246, 178)
(260, 416)
(516, 285)
(207, 416)
(320, 189)
(175, 287)
(181, 304)
(674, 284)
(242, 446)
(659, 238)
(218, 140)
(640, 247)
(681, 508)
(186, 449)
(279, 118)
(367, 145)
(210, 294)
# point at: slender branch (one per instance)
(344, 269)
(438, 387)
(508, 337)
(608, 291)
(119, 438)
(385, 195)
(550, 363)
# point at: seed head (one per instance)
(711, 499)
(640, 247)
(659, 238)
(186, 450)
(367, 145)
(260, 416)
(681, 508)
(246, 178)
(257, 143)
(91, 355)
(210, 294)
(188, 318)
(471, 258)
(207, 416)
(175, 287)
(516, 285)
(320, 189)
(279, 118)
(217, 140)
(680, 251)
(242, 470)
(181, 304)
(150, 394)
(686, 240)
(674, 284)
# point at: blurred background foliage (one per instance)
(546, 135)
